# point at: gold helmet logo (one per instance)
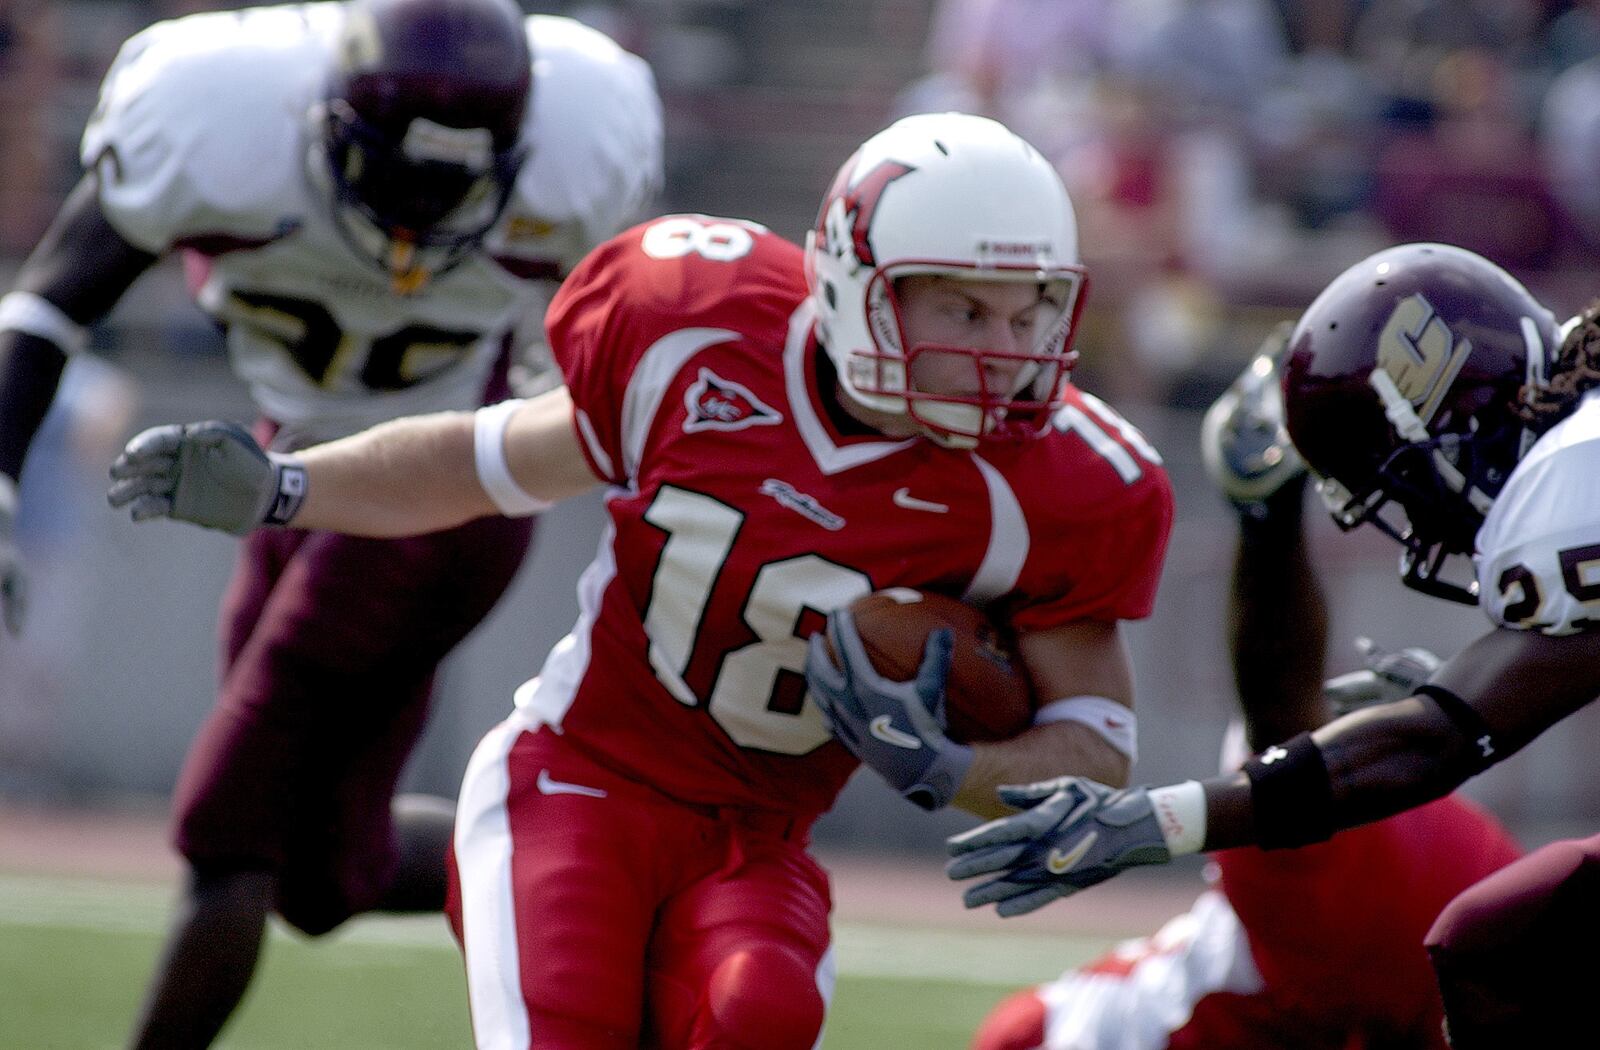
(1421, 354)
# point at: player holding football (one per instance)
(1439, 401)
(1303, 949)
(369, 197)
(780, 431)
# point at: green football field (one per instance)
(74, 955)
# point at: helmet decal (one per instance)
(1421, 354)
(847, 210)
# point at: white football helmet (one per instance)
(959, 196)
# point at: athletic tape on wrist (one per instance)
(37, 316)
(1180, 811)
(1114, 722)
(489, 456)
(291, 490)
(1291, 797)
(1486, 749)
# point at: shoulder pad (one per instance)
(594, 130)
(201, 120)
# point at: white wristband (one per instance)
(489, 456)
(1181, 811)
(1111, 720)
(37, 316)
(8, 496)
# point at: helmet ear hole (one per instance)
(831, 293)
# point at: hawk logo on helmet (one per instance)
(846, 214)
(715, 403)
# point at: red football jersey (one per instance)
(740, 515)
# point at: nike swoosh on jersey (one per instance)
(881, 728)
(1060, 861)
(904, 498)
(550, 786)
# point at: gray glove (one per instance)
(1387, 677)
(1243, 442)
(212, 473)
(897, 728)
(1071, 833)
(13, 581)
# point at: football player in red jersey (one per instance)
(1312, 949)
(371, 198)
(1439, 401)
(780, 431)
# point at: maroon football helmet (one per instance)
(421, 120)
(1401, 388)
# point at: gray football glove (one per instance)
(212, 473)
(13, 581)
(1071, 833)
(1387, 676)
(1243, 442)
(897, 728)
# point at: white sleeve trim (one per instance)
(489, 455)
(1115, 722)
(37, 316)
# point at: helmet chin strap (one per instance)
(1406, 422)
(406, 275)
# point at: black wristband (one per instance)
(1291, 797)
(1486, 749)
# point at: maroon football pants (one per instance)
(329, 646)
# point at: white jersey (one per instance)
(1538, 552)
(1146, 989)
(203, 140)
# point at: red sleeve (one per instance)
(1105, 565)
(629, 295)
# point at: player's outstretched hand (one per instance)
(1243, 442)
(1387, 676)
(1071, 833)
(13, 581)
(897, 728)
(212, 473)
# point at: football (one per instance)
(987, 696)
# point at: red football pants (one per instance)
(598, 914)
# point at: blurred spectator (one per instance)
(1573, 36)
(1569, 140)
(1404, 42)
(996, 57)
(1315, 132)
(1471, 176)
(30, 150)
(1166, 190)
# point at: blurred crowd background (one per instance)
(1226, 158)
